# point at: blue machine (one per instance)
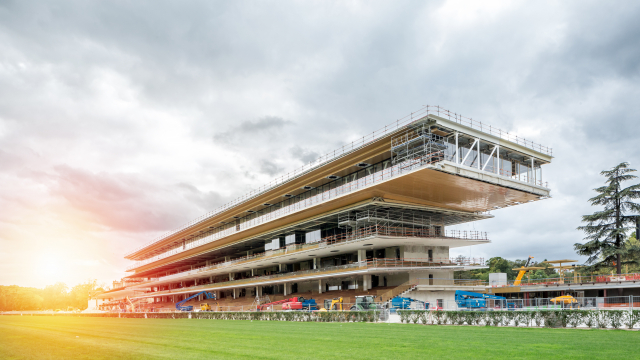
(403, 303)
(179, 306)
(309, 304)
(472, 300)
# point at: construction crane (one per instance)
(179, 306)
(133, 307)
(523, 270)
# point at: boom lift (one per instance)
(133, 307)
(262, 307)
(472, 300)
(301, 304)
(179, 306)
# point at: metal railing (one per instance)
(578, 279)
(369, 180)
(584, 303)
(348, 148)
(360, 234)
(361, 265)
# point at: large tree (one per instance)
(607, 229)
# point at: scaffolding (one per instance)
(390, 222)
(417, 142)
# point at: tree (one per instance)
(607, 229)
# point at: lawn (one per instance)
(43, 337)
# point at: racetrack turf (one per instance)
(62, 337)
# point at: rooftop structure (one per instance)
(369, 217)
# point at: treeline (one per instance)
(52, 297)
(500, 265)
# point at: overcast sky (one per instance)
(122, 120)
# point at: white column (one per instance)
(320, 286)
(230, 276)
(234, 293)
(532, 178)
(315, 263)
(366, 282)
(479, 155)
(457, 150)
(497, 168)
(285, 289)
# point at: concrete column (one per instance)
(252, 272)
(315, 263)
(234, 293)
(231, 276)
(366, 282)
(362, 255)
(320, 286)
(285, 289)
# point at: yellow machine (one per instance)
(337, 302)
(205, 307)
(522, 272)
(565, 299)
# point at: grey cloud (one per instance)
(161, 112)
(261, 129)
(304, 155)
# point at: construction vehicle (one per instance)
(565, 300)
(332, 304)
(205, 307)
(404, 303)
(301, 304)
(472, 300)
(522, 272)
(179, 306)
(364, 303)
(133, 307)
(263, 307)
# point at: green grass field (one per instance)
(41, 337)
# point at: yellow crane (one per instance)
(523, 270)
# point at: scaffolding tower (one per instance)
(417, 142)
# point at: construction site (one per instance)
(367, 223)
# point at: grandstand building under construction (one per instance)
(370, 218)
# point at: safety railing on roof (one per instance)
(436, 110)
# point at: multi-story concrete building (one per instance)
(372, 217)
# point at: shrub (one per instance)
(631, 318)
(615, 318)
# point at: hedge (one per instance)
(549, 318)
(318, 316)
